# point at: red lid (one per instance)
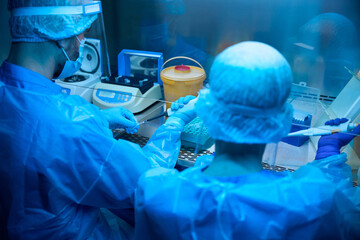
(182, 68)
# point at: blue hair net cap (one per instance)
(246, 102)
(30, 23)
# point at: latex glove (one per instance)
(120, 117)
(181, 102)
(183, 111)
(330, 145)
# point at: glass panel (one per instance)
(319, 38)
(146, 66)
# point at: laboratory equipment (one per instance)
(137, 86)
(82, 83)
(346, 105)
(153, 118)
(181, 80)
(326, 130)
(293, 152)
(196, 135)
(169, 111)
(304, 101)
(301, 121)
(95, 65)
(331, 145)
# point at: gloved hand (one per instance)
(330, 145)
(182, 110)
(120, 117)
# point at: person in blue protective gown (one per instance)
(320, 51)
(61, 168)
(234, 197)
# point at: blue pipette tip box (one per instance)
(301, 121)
(195, 133)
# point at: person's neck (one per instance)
(235, 159)
(37, 57)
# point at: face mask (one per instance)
(70, 66)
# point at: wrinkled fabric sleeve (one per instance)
(335, 168)
(204, 160)
(145, 196)
(98, 170)
(90, 167)
(347, 197)
(164, 146)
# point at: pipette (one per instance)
(169, 112)
(153, 118)
(325, 130)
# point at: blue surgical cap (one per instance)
(44, 20)
(246, 102)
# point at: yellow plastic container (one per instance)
(181, 80)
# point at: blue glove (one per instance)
(330, 145)
(120, 117)
(183, 111)
(181, 102)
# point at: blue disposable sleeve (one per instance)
(97, 170)
(164, 146)
(335, 168)
(94, 169)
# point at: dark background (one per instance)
(209, 25)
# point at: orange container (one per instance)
(181, 80)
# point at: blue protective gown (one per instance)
(315, 202)
(60, 163)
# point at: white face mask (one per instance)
(71, 66)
